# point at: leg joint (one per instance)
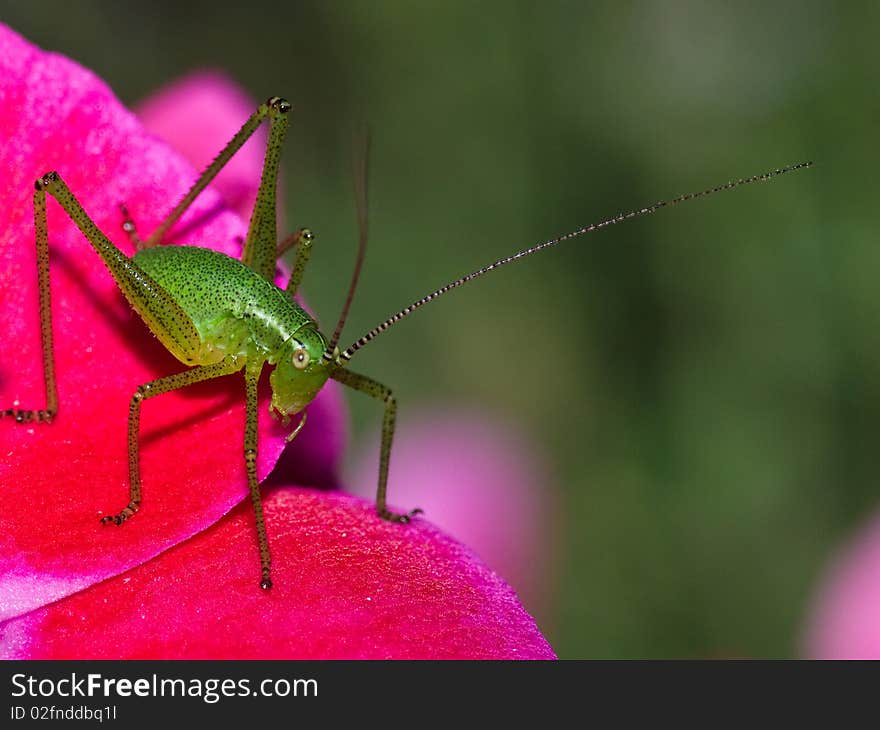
(46, 180)
(278, 104)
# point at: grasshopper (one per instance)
(219, 315)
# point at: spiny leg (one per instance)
(260, 245)
(42, 244)
(252, 378)
(377, 390)
(150, 390)
(159, 310)
(161, 313)
(303, 240)
(275, 107)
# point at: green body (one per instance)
(237, 313)
(235, 310)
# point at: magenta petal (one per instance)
(347, 586)
(58, 479)
(844, 618)
(485, 486)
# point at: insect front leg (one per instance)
(252, 379)
(150, 390)
(380, 392)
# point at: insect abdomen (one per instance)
(222, 296)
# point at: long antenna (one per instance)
(360, 163)
(377, 330)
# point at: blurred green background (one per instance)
(704, 382)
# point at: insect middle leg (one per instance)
(150, 390)
(42, 243)
(252, 379)
(303, 240)
(380, 392)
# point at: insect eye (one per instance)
(300, 358)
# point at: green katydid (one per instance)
(220, 315)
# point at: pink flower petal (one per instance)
(485, 486)
(844, 617)
(58, 479)
(347, 586)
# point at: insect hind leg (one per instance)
(162, 314)
(41, 238)
(260, 243)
